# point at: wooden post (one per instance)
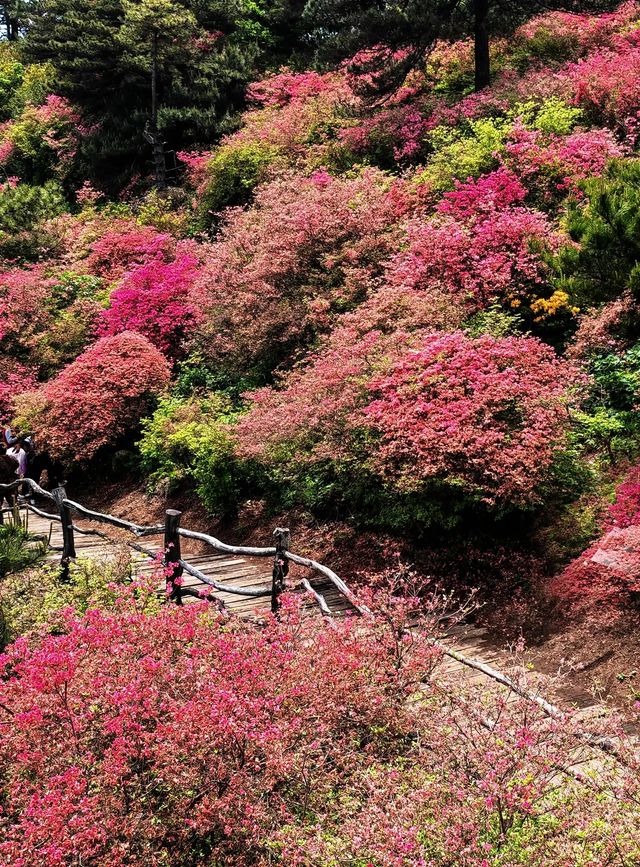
(282, 538)
(68, 545)
(172, 555)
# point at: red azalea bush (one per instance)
(607, 575)
(24, 313)
(625, 511)
(115, 252)
(486, 413)
(154, 300)
(131, 739)
(98, 398)
(477, 256)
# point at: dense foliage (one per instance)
(199, 742)
(416, 315)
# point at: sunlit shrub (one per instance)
(191, 441)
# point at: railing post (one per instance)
(172, 555)
(68, 545)
(282, 538)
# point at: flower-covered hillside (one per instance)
(416, 315)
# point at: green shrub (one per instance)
(463, 152)
(608, 419)
(233, 173)
(552, 116)
(191, 440)
(22, 207)
(17, 548)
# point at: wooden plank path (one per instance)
(250, 573)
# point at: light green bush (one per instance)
(191, 440)
(233, 173)
(463, 152)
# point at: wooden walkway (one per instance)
(248, 573)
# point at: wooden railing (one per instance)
(172, 533)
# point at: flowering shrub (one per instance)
(477, 255)
(114, 253)
(98, 398)
(395, 134)
(482, 416)
(484, 413)
(556, 36)
(605, 83)
(625, 511)
(154, 301)
(281, 271)
(24, 296)
(551, 165)
(43, 140)
(236, 743)
(15, 378)
(607, 574)
(298, 116)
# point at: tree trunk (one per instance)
(153, 136)
(481, 37)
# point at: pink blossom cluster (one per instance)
(129, 739)
(625, 511)
(15, 379)
(477, 257)
(488, 412)
(280, 271)
(154, 300)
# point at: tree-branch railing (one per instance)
(175, 565)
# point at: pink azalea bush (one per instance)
(116, 252)
(24, 313)
(15, 379)
(479, 255)
(486, 412)
(625, 511)
(96, 399)
(281, 271)
(136, 739)
(154, 300)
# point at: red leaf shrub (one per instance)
(281, 271)
(24, 313)
(606, 576)
(625, 511)
(98, 398)
(478, 257)
(133, 740)
(154, 300)
(15, 379)
(114, 253)
(484, 413)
